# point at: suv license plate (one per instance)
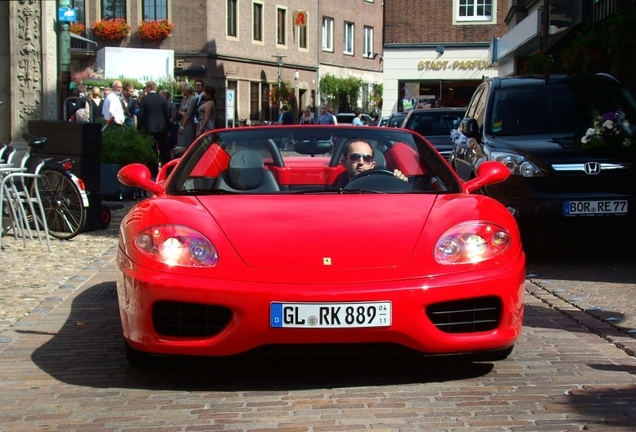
(578, 208)
(330, 315)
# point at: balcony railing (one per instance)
(605, 8)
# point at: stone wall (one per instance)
(28, 66)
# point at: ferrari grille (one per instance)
(189, 319)
(466, 316)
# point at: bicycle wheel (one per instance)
(62, 201)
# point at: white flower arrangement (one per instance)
(611, 129)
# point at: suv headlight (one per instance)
(517, 164)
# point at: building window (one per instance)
(327, 34)
(155, 10)
(348, 38)
(232, 18)
(302, 37)
(265, 108)
(255, 92)
(475, 10)
(367, 42)
(281, 22)
(80, 5)
(257, 22)
(113, 9)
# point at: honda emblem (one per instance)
(592, 168)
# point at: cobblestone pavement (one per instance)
(62, 365)
(31, 273)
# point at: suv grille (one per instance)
(189, 319)
(466, 316)
(576, 182)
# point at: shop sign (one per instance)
(454, 65)
(300, 18)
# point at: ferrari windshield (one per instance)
(311, 160)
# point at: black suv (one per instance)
(535, 125)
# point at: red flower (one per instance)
(155, 30)
(111, 29)
(77, 28)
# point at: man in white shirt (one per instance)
(113, 105)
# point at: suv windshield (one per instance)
(564, 107)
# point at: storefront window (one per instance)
(435, 93)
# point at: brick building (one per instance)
(438, 50)
(238, 44)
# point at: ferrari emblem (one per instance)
(326, 261)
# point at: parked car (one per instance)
(536, 125)
(242, 246)
(435, 124)
(396, 119)
(383, 121)
(347, 118)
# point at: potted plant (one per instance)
(155, 30)
(111, 29)
(77, 28)
(122, 146)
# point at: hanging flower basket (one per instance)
(155, 30)
(111, 29)
(77, 28)
(286, 92)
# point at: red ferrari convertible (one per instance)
(317, 235)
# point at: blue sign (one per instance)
(67, 14)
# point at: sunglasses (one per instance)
(354, 157)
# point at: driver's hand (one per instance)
(397, 173)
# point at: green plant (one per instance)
(341, 91)
(618, 28)
(540, 63)
(126, 145)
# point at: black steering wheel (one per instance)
(380, 180)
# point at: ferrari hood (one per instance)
(312, 231)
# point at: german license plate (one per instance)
(331, 315)
(577, 208)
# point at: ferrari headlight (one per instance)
(176, 245)
(471, 242)
(517, 164)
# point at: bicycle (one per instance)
(62, 193)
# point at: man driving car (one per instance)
(357, 157)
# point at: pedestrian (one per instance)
(153, 118)
(96, 102)
(130, 105)
(205, 111)
(286, 117)
(187, 110)
(330, 111)
(113, 109)
(199, 86)
(357, 120)
(173, 124)
(307, 117)
(325, 117)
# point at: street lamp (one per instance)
(279, 61)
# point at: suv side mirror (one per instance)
(470, 128)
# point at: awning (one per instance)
(82, 39)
